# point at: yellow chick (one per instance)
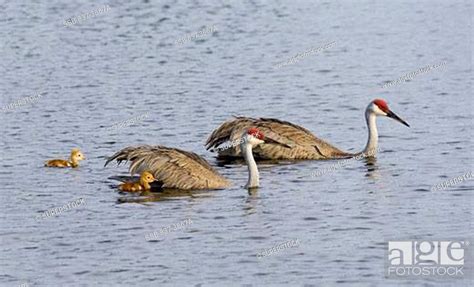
(143, 184)
(76, 156)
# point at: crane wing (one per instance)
(282, 139)
(172, 167)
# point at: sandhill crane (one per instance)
(179, 169)
(284, 140)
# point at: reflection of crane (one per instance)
(284, 140)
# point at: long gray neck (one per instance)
(372, 143)
(251, 164)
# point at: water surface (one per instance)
(124, 63)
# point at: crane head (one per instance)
(380, 108)
(254, 136)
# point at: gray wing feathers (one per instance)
(174, 168)
(284, 140)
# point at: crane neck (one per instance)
(373, 140)
(254, 178)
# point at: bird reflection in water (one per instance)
(162, 195)
(372, 167)
(251, 202)
(249, 207)
(374, 173)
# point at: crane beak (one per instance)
(392, 115)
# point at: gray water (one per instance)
(124, 63)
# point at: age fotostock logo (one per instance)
(427, 258)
